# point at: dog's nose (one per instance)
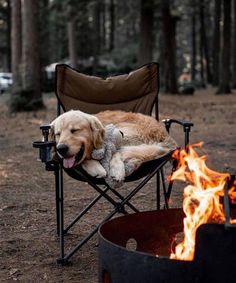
(62, 149)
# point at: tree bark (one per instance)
(205, 41)
(169, 30)
(72, 50)
(216, 43)
(224, 86)
(16, 49)
(201, 54)
(146, 32)
(8, 35)
(193, 63)
(234, 47)
(72, 43)
(103, 27)
(112, 25)
(97, 35)
(29, 96)
(45, 33)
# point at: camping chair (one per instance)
(135, 92)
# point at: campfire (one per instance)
(207, 250)
(202, 197)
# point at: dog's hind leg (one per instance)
(143, 152)
(131, 157)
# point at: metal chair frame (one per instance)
(119, 206)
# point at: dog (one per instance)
(77, 133)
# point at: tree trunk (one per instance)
(30, 54)
(112, 25)
(71, 37)
(234, 47)
(169, 28)
(97, 35)
(16, 49)
(103, 26)
(45, 33)
(201, 54)
(224, 86)
(72, 43)
(216, 43)
(193, 63)
(205, 41)
(146, 32)
(8, 35)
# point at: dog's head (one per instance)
(76, 134)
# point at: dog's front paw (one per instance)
(117, 169)
(94, 168)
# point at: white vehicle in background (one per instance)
(5, 81)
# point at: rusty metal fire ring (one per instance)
(129, 245)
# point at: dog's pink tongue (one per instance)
(69, 162)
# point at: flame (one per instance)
(201, 202)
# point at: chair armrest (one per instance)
(185, 124)
(186, 127)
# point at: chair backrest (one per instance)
(135, 92)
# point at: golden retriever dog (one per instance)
(78, 133)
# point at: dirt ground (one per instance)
(28, 243)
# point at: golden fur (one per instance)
(144, 138)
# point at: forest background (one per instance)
(108, 37)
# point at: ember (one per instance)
(202, 197)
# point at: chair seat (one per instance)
(141, 172)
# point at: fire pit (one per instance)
(129, 245)
(147, 246)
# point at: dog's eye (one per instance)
(74, 130)
(57, 134)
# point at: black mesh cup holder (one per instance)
(44, 150)
(44, 145)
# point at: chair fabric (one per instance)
(135, 92)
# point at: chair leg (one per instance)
(61, 260)
(84, 211)
(88, 237)
(169, 190)
(118, 207)
(122, 198)
(155, 172)
(166, 199)
(56, 173)
(158, 191)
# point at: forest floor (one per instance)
(28, 245)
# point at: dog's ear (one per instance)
(98, 131)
